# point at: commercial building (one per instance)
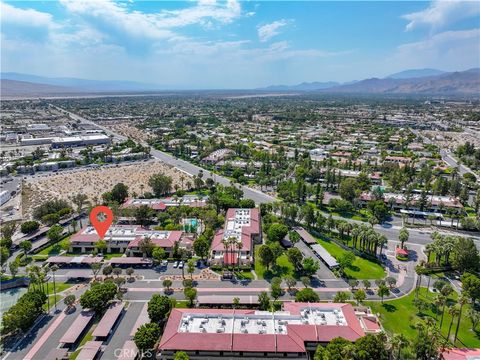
(164, 203)
(29, 141)
(73, 141)
(294, 332)
(125, 239)
(434, 203)
(235, 242)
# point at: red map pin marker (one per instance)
(101, 226)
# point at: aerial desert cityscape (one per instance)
(197, 210)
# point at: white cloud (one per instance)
(441, 13)
(108, 15)
(100, 39)
(20, 17)
(268, 31)
(449, 50)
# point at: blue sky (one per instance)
(236, 44)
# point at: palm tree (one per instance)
(419, 270)
(403, 236)
(452, 311)
(461, 302)
(448, 246)
(53, 269)
(382, 240)
(439, 302)
(355, 234)
(341, 228)
(239, 247)
(348, 228)
(428, 251)
(397, 342)
(225, 244)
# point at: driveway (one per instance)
(323, 273)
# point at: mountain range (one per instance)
(80, 84)
(414, 81)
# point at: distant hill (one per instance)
(305, 86)
(12, 88)
(454, 83)
(415, 73)
(81, 84)
(451, 83)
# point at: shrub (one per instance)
(29, 227)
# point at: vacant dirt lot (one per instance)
(128, 130)
(94, 182)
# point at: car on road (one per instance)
(175, 264)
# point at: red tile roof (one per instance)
(246, 231)
(293, 341)
(108, 320)
(89, 350)
(172, 238)
(460, 354)
(77, 327)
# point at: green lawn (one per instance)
(361, 268)
(181, 304)
(108, 256)
(243, 275)
(54, 249)
(398, 316)
(59, 286)
(280, 269)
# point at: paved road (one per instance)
(121, 332)
(418, 236)
(451, 161)
(446, 157)
(189, 168)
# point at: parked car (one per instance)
(164, 263)
(175, 264)
(180, 265)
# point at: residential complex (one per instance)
(126, 239)
(163, 204)
(234, 244)
(294, 332)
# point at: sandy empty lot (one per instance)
(94, 182)
(128, 130)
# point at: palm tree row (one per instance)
(39, 280)
(232, 245)
(442, 246)
(366, 239)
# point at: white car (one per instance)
(180, 265)
(175, 264)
